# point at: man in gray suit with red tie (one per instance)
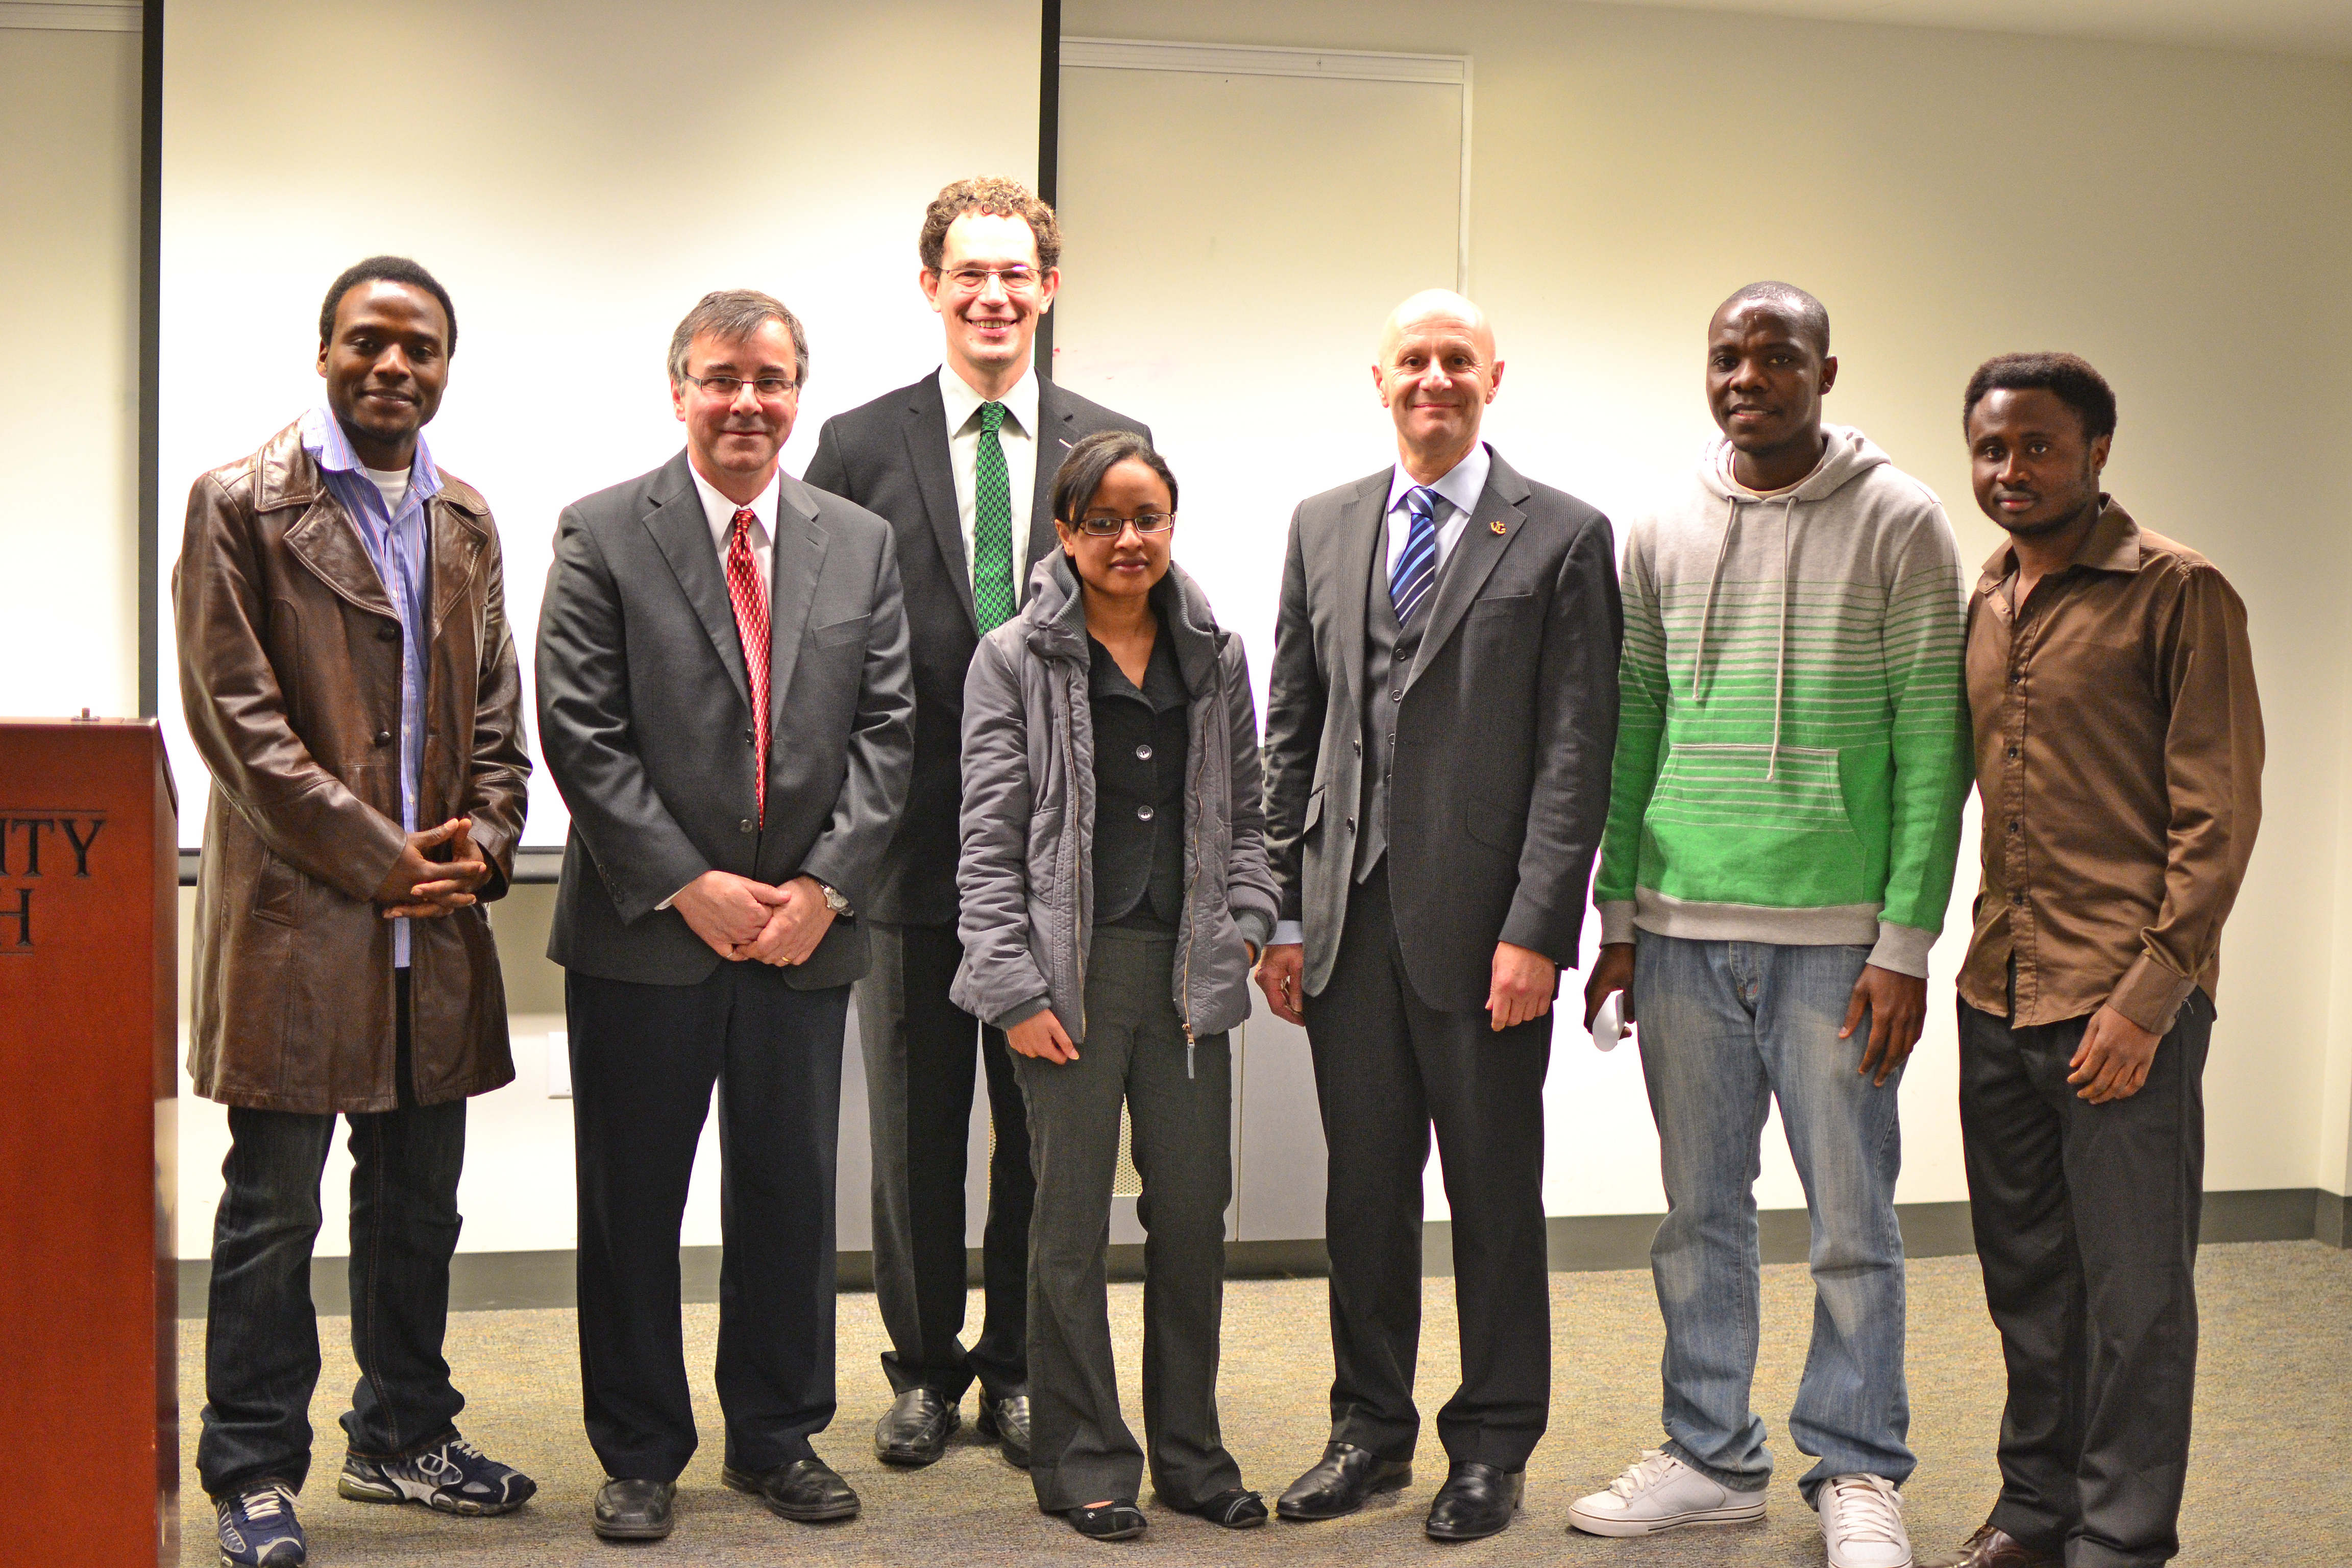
(723, 699)
(1440, 720)
(962, 465)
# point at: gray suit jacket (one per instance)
(644, 718)
(1505, 735)
(891, 456)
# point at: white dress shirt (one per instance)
(721, 513)
(1018, 436)
(1457, 497)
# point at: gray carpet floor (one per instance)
(2268, 1482)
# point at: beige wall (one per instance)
(2183, 218)
(70, 370)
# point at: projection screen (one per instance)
(577, 175)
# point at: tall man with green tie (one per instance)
(962, 463)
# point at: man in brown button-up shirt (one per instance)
(2119, 757)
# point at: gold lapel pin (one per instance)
(1496, 525)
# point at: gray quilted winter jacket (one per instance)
(1026, 878)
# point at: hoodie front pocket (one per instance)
(1753, 824)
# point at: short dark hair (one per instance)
(384, 269)
(999, 198)
(732, 315)
(1810, 315)
(1094, 455)
(2067, 377)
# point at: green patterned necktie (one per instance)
(992, 525)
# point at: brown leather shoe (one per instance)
(1994, 1548)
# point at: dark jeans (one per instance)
(2086, 1229)
(261, 1333)
(1387, 1069)
(919, 1048)
(644, 1062)
(1179, 1112)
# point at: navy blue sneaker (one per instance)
(453, 1477)
(258, 1529)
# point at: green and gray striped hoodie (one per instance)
(1793, 744)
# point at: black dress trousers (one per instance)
(2085, 1221)
(1388, 1067)
(643, 1058)
(919, 1048)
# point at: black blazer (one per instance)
(891, 456)
(1505, 737)
(645, 718)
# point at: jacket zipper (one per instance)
(1192, 902)
(1080, 877)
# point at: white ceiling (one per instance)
(2286, 26)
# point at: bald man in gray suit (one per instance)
(1440, 719)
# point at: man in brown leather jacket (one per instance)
(349, 679)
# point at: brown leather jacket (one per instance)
(289, 673)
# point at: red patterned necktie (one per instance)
(750, 598)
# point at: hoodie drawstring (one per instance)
(1780, 655)
(1706, 610)
(1780, 660)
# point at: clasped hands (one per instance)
(419, 887)
(743, 919)
(1519, 988)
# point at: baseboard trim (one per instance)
(493, 1281)
(2331, 1219)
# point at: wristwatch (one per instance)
(832, 898)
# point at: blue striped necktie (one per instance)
(1410, 578)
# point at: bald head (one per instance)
(1792, 304)
(1437, 372)
(1437, 306)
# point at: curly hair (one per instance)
(999, 198)
(2067, 377)
(384, 269)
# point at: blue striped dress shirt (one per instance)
(400, 543)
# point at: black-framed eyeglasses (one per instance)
(1112, 527)
(972, 280)
(770, 388)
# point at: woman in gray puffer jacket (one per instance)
(1115, 896)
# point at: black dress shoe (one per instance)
(1005, 1422)
(634, 1510)
(1476, 1501)
(915, 1430)
(1107, 1520)
(1239, 1508)
(1992, 1547)
(1348, 1478)
(806, 1490)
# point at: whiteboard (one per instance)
(577, 176)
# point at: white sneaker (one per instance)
(1658, 1492)
(1862, 1521)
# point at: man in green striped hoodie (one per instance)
(1792, 753)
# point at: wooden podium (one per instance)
(89, 1090)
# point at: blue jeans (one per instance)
(261, 1333)
(1725, 1028)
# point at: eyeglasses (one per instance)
(972, 280)
(771, 388)
(1112, 527)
